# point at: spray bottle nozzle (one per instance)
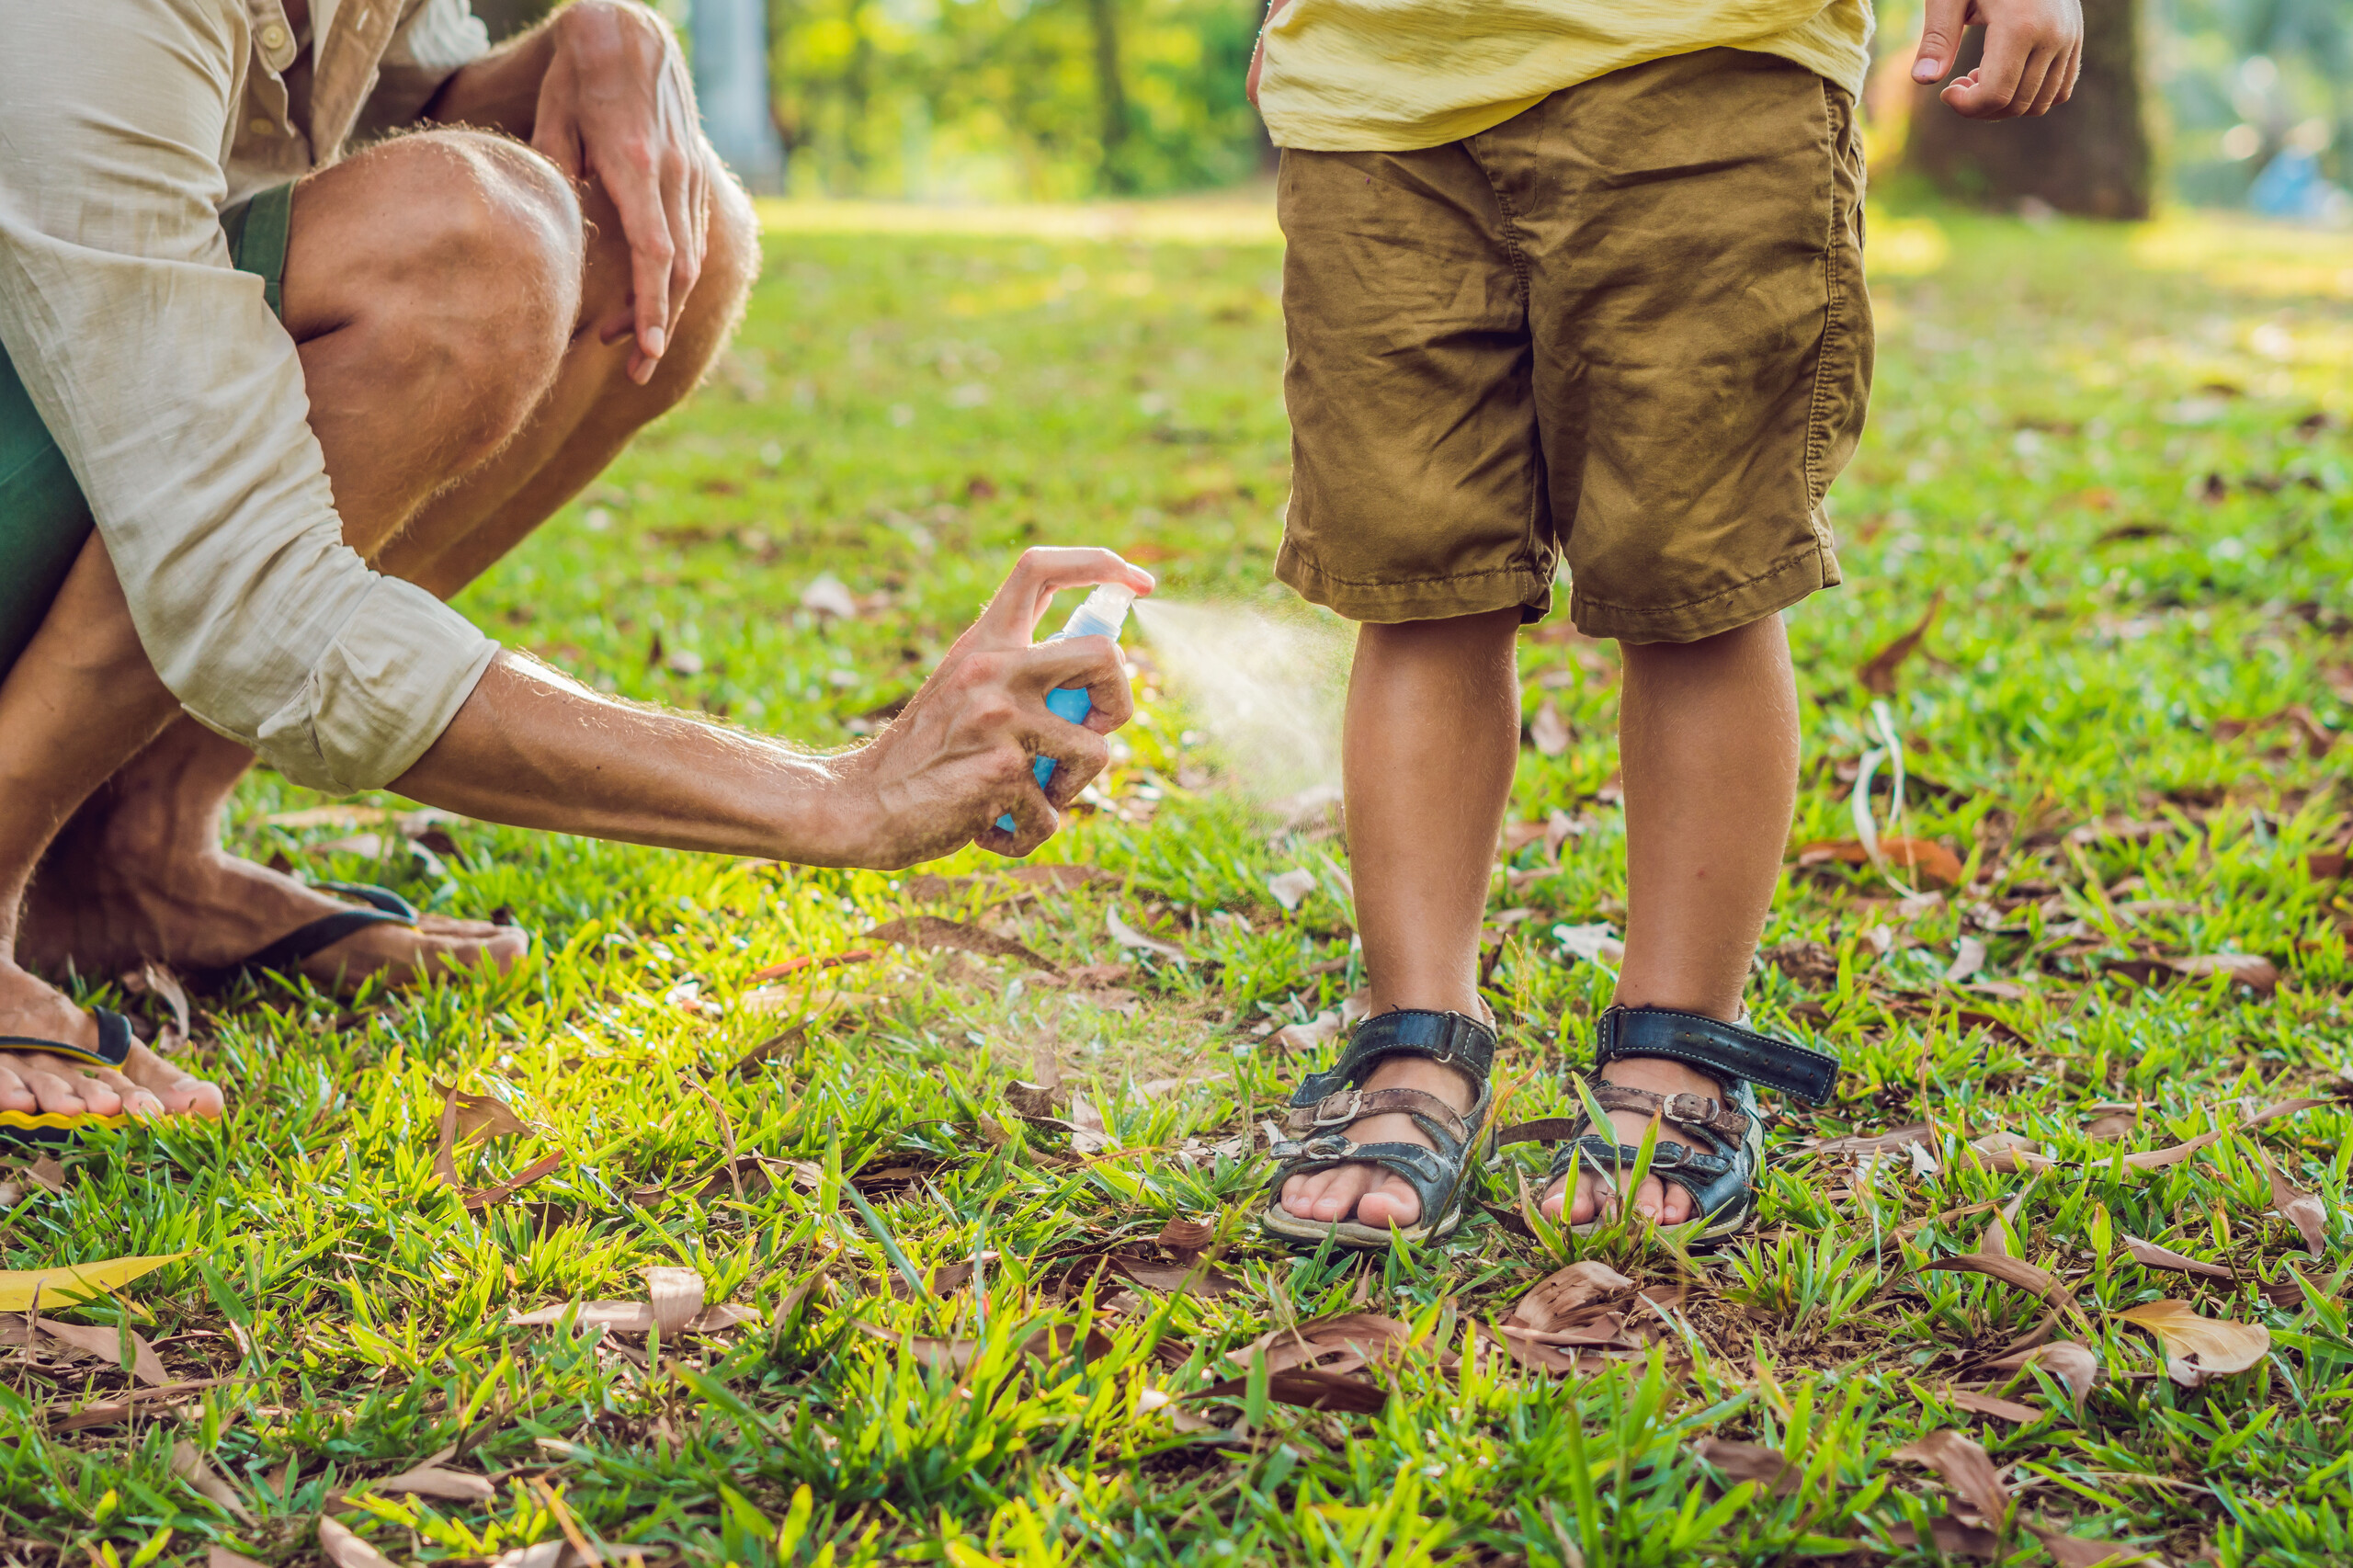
(1101, 613)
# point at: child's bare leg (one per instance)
(1433, 733)
(1708, 736)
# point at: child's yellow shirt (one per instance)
(1386, 75)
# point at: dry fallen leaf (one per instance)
(1964, 1466)
(1548, 732)
(1952, 1537)
(2076, 1367)
(2080, 1552)
(1566, 1295)
(2300, 1209)
(22, 1289)
(2010, 1271)
(480, 1117)
(633, 1317)
(1988, 1405)
(2011, 1152)
(1290, 888)
(1967, 958)
(1932, 860)
(434, 1479)
(1306, 1036)
(219, 1556)
(2199, 1348)
(1307, 1389)
(1769, 1468)
(1997, 1239)
(1127, 936)
(676, 1297)
(47, 1174)
(2251, 969)
(1348, 1339)
(2149, 1255)
(190, 1465)
(345, 1549)
(1911, 1133)
(104, 1342)
(1878, 672)
(1186, 1238)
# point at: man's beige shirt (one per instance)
(125, 126)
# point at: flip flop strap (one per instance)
(385, 908)
(113, 1049)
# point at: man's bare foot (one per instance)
(206, 908)
(1660, 1202)
(39, 1082)
(1370, 1194)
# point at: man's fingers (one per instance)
(629, 177)
(1080, 756)
(1939, 39)
(1034, 818)
(1042, 572)
(556, 135)
(1090, 661)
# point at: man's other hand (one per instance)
(961, 754)
(617, 103)
(2034, 50)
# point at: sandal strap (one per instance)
(1670, 1161)
(1699, 1113)
(1723, 1049)
(113, 1049)
(1428, 1172)
(1448, 1039)
(1342, 1108)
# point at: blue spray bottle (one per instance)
(1101, 614)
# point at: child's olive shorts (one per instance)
(1628, 326)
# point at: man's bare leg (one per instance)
(1708, 736)
(451, 332)
(81, 699)
(1432, 737)
(141, 872)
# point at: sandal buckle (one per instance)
(1336, 1109)
(1690, 1109)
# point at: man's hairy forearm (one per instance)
(532, 749)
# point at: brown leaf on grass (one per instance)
(219, 1556)
(345, 1549)
(1877, 673)
(1192, 1276)
(2074, 1366)
(1965, 1469)
(1879, 1142)
(2082, 1552)
(1952, 1537)
(190, 1465)
(1568, 1295)
(1997, 1238)
(1548, 732)
(434, 1479)
(1932, 860)
(2112, 1124)
(46, 1173)
(2198, 1349)
(499, 1192)
(956, 1354)
(1308, 1036)
(103, 1341)
(2009, 1271)
(1307, 1389)
(1769, 1468)
(107, 1413)
(1347, 1339)
(2149, 1255)
(674, 1296)
(2253, 970)
(480, 1117)
(783, 967)
(1988, 1405)
(2300, 1209)
(445, 1163)
(154, 980)
(1032, 1101)
(1186, 1238)
(923, 931)
(2316, 736)
(633, 1317)
(2011, 1152)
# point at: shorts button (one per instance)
(261, 125)
(273, 38)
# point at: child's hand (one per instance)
(2034, 49)
(1258, 52)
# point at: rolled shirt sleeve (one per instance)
(179, 399)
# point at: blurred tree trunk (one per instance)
(731, 67)
(1111, 93)
(2090, 156)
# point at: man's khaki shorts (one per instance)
(1628, 326)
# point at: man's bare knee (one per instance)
(458, 254)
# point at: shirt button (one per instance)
(261, 125)
(273, 38)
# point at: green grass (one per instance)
(2051, 405)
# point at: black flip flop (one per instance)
(285, 956)
(56, 1128)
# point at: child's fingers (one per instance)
(1939, 39)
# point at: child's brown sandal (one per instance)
(1721, 1174)
(1329, 1102)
